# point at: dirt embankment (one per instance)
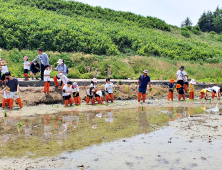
(32, 96)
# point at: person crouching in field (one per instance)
(35, 69)
(64, 79)
(216, 91)
(203, 93)
(180, 91)
(67, 92)
(109, 87)
(90, 93)
(6, 96)
(191, 89)
(99, 96)
(75, 91)
(26, 67)
(47, 72)
(142, 82)
(170, 93)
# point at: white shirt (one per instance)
(47, 72)
(181, 74)
(109, 87)
(75, 89)
(6, 94)
(4, 69)
(26, 65)
(216, 88)
(91, 85)
(99, 93)
(64, 79)
(88, 92)
(66, 88)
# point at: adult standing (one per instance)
(44, 61)
(143, 82)
(13, 86)
(61, 68)
(181, 76)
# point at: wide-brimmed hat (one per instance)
(145, 71)
(3, 62)
(178, 86)
(60, 61)
(182, 67)
(192, 81)
(25, 58)
(94, 80)
(172, 81)
(61, 74)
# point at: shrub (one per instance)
(189, 27)
(212, 32)
(219, 38)
(213, 60)
(185, 29)
(185, 33)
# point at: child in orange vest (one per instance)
(180, 91)
(75, 91)
(6, 97)
(191, 89)
(47, 78)
(170, 93)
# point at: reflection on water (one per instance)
(53, 134)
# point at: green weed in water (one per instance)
(5, 114)
(20, 124)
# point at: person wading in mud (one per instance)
(44, 60)
(12, 85)
(61, 68)
(181, 76)
(143, 82)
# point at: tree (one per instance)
(186, 22)
(217, 21)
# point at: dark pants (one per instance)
(42, 71)
(181, 82)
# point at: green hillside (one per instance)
(115, 40)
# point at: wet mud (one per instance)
(121, 135)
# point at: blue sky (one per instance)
(171, 11)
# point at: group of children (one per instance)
(182, 90)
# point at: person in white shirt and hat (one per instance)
(61, 68)
(216, 91)
(67, 92)
(64, 79)
(75, 91)
(181, 76)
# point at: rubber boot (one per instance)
(3, 102)
(139, 96)
(66, 103)
(45, 86)
(71, 101)
(213, 95)
(87, 100)
(112, 97)
(48, 86)
(144, 97)
(78, 100)
(11, 101)
(98, 100)
(56, 81)
(93, 101)
(107, 98)
(19, 102)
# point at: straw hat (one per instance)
(192, 81)
(60, 61)
(3, 62)
(145, 71)
(25, 58)
(178, 86)
(94, 80)
(172, 81)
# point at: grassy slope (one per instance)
(126, 64)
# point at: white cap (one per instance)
(94, 80)
(192, 81)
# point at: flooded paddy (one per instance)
(123, 135)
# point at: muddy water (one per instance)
(133, 136)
